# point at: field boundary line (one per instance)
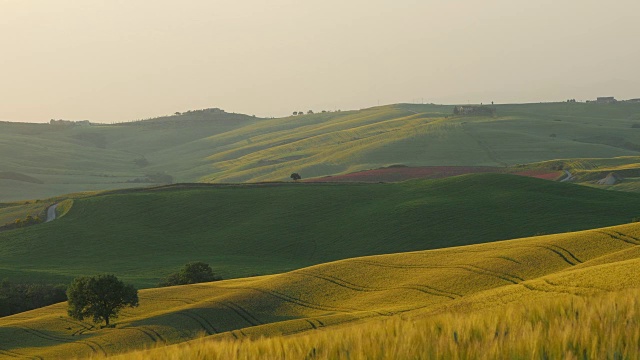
(617, 237)
(349, 285)
(470, 268)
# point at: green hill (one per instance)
(478, 279)
(56, 159)
(214, 146)
(244, 230)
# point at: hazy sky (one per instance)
(115, 60)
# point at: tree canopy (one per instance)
(100, 297)
(295, 177)
(19, 297)
(191, 273)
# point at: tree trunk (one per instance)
(106, 319)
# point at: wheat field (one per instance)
(410, 289)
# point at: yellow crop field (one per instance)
(559, 327)
(449, 302)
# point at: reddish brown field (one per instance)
(394, 174)
(541, 174)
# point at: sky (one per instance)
(119, 60)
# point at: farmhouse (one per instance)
(606, 100)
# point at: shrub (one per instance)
(191, 273)
(16, 298)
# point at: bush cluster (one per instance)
(191, 273)
(15, 298)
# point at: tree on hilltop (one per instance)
(295, 176)
(100, 297)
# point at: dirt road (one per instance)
(51, 212)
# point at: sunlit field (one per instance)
(561, 327)
(537, 278)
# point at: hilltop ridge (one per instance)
(213, 146)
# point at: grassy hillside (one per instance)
(244, 230)
(460, 280)
(212, 146)
(45, 160)
(419, 135)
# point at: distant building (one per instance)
(473, 110)
(606, 100)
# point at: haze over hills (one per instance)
(44, 160)
(451, 228)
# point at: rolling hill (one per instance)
(244, 230)
(459, 280)
(46, 160)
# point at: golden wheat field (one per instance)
(562, 327)
(546, 295)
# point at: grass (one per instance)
(245, 230)
(526, 290)
(221, 147)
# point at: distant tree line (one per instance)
(16, 297)
(69, 122)
(309, 112)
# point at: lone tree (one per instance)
(100, 297)
(191, 273)
(295, 177)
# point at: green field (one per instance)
(42, 160)
(245, 230)
(424, 290)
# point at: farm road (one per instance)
(51, 212)
(569, 176)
